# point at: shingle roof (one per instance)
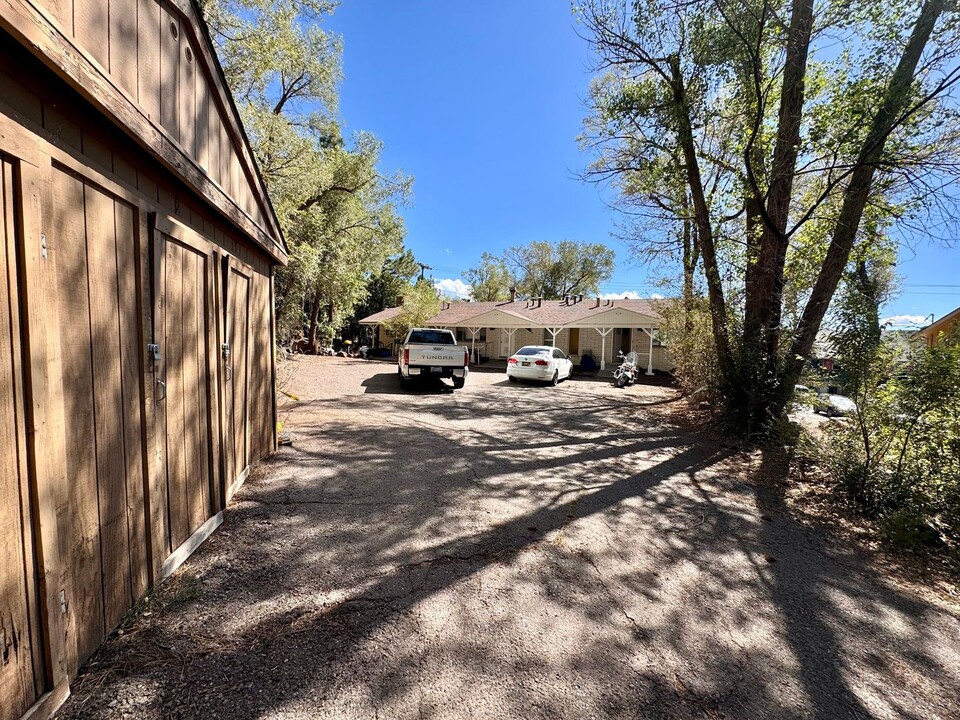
(546, 313)
(381, 316)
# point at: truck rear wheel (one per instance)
(404, 382)
(458, 383)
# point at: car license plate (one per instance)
(526, 364)
(436, 370)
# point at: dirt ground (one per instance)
(515, 551)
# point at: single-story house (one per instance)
(576, 325)
(933, 333)
(136, 317)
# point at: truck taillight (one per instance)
(541, 362)
(406, 356)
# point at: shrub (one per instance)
(899, 457)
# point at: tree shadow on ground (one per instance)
(632, 570)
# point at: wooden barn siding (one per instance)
(100, 497)
(150, 52)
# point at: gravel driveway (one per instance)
(513, 551)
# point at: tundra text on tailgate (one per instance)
(432, 354)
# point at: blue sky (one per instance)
(482, 103)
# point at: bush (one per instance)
(687, 332)
(899, 457)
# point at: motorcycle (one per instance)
(628, 371)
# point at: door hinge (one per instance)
(43, 245)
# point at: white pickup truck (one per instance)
(430, 353)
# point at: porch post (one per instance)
(603, 345)
(650, 355)
(473, 342)
(553, 335)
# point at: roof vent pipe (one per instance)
(598, 303)
(513, 293)
(566, 299)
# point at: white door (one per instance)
(505, 343)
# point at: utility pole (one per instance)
(423, 267)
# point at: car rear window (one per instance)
(530, 351)
(432, 337)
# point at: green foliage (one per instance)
(899, 459)
(489, 280)
(552, 270)
(791, 163)
(338, 212)
(420, 303)
(685, 330)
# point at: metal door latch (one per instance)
(153, 352)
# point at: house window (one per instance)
(657, 342)
(574, 348)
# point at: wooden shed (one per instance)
(136, 312)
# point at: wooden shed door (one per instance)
(93, 313)
(184, 330)
(236, 377)
(21, 679)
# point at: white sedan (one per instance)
(539, 362)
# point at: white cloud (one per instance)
(630, 295)
(451, 288)
(911, 320)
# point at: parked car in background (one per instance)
(834, 405)
(539, 362)
(432, 354)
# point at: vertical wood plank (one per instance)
(131, 373)
(215, 414)
(91, 29)
(46, 442)
(203, 104)
(148, 57)
(193, 474)
(152, 263)
(79, 519)
(271, 309)
(169, 72)
(62, 11)
(123, 44)
(176, 463)
(108, 403)
(187, 92)
(18, 687)
(204, 494)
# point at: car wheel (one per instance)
(511, 378)
(556, 377)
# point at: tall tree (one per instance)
(782, 148)
(489, 279)
(338, 211)
(553, 270)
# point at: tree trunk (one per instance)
(767, 241)
(858, 190)
(312, 346)
(704, 228)
(763, 308)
